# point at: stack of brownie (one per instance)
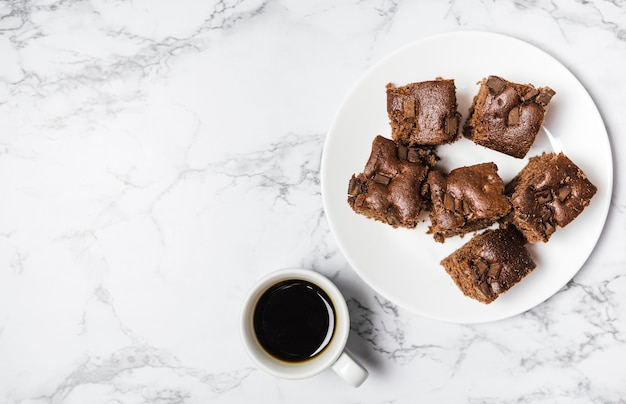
(401, 179)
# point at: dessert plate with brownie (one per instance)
(467, 176)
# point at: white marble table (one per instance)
(157, 159)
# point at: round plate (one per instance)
(403, 264)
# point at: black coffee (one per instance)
(294, 320)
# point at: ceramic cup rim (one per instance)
(310, 367)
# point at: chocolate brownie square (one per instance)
(549, 191)
(490, 263)
(507, 116)
(467, 199)
(423, 113)
(390, 187)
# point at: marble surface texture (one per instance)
(158, 157)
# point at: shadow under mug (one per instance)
(332, 355)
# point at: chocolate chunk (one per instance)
(563, 193)
(392, 217)
(495, 84)
(484, 287)
(494, 270)
(458, 205)
(408, 107)
(549, 227)
(482, 266)
(413, 155)
(381, 179)
(451, 125)
(467, 208)
(530, 95)
(354, 187)
(544, 196)
(513, 118)
(402, 152)
(448, 201)
(545, 96)
(545, 213)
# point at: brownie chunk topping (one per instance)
(423, 113)
(507, 116)
(381, 179)
(489, 264)
(467, 199)
(495, 84)
(544, 97)
(390, 188)
(549, 192)
(513, 118)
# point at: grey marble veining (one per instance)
(158, 158)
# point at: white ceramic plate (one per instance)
(403, 264)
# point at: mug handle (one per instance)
(349, 369)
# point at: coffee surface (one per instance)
(294, 320)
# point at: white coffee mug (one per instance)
(333, 353)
